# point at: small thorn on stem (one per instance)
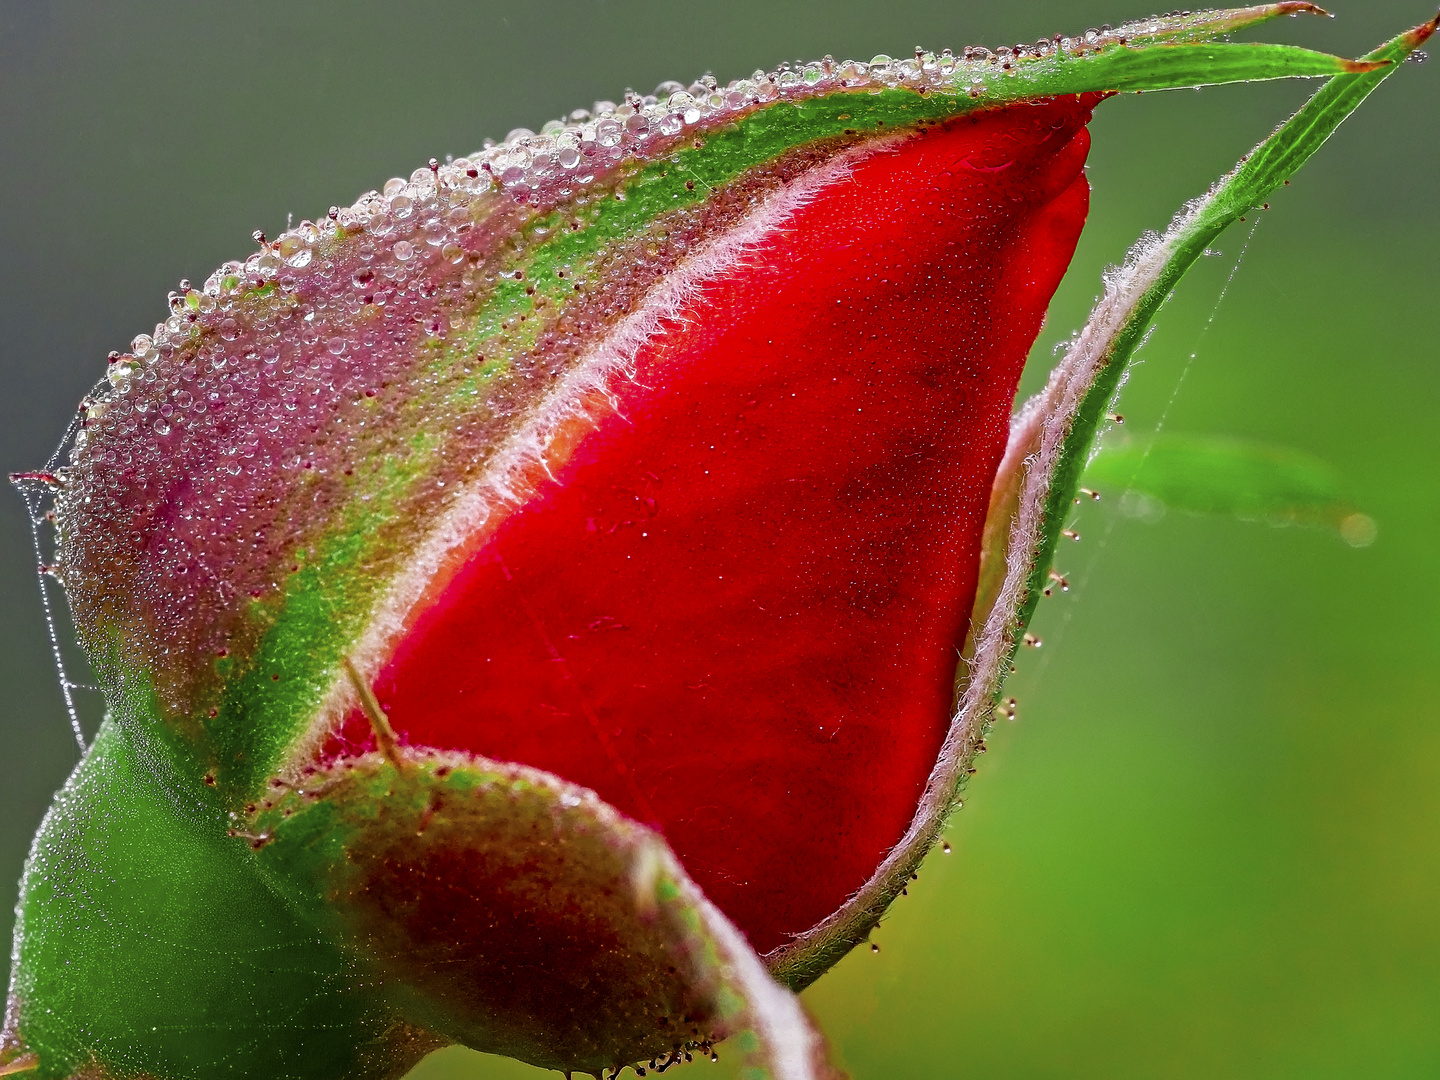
(379, 722)
(22, 1064)
(1115, 417)
(1033, 642)
(1070, 534)
(1093, 495)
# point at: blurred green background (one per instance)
(1208, 845)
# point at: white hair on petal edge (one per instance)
(788, 1042)
(505, 477)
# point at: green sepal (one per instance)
(1261, 172)
(147, 945)
(1169, 67)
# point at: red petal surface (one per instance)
(735, 610)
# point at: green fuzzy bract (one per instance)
(148, 941)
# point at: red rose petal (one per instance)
(735, 610)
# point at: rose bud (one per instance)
(531, 601)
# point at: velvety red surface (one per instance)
(736, 610)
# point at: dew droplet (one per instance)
(1358, 530)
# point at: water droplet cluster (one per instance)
(303, 381)
(202, 468)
